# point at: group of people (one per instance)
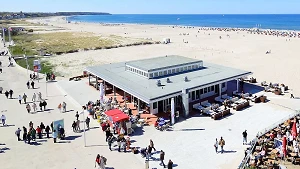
(31, 134)
(220, 143)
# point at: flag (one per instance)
(294, 130)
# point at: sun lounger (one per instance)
(225, 96)
(218, 99)
(205, 103)
(195, 106)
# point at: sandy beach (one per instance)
(190, 143)
(236, 49)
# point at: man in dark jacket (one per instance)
(47, 130)
(170, 164)
(162, 157)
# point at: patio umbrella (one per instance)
(101, 89)
(172, 111)
(294, 130)
(284, 145)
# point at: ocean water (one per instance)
(280, 22)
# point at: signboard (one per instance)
(36, 65)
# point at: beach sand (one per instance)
(239, 50)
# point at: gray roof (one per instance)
(161, 62)
(147, 90)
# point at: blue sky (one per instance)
(157, 6)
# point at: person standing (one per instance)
(107, 133)
(64, 105)
(47, 130)
(34, 107)
(216, 145)
(39, 132)
(18, 132)
(11, 92)
(6, 94)
(28, 85)
(44, 104)
(34, 97)
(32, 84)
(87, 121)
(59, 107)
(42, 126)
(76, 115)
(244, 137)
(41, 106)
(3, 119)
(292, 95)
(40, 96)
(24, 97)
(170, 164)
(24, 134)
(162, 158)
(20, 99)
(74, 126)
(33, 133)
(152, 144)
(222, 144)
(97, 161)
(28, 108)
(109, 142)
(54, 135)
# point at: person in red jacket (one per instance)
(39, 132)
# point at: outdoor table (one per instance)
(274, 151)
(277, 129)
(141, 121)
(293, 154)
(258, 148)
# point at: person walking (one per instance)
(222, 144)
(64, 105)
(77, 115)
(18, 132)
(28, 108)
(39, 132)
(11, 92)
(33, 134)
(34, 107)
(87, 121)
(152, 144)
(32, 84)
(44, 104)
(244, 137)
(41, 106)
(20, 99)
(28, 85)
(216, 145)
(292, 95)
(24, 134)
(34, 97)
(54, 135)
(28, 137)
(162, 158)
(170, 164)
(47, 130)
(74, 126)
(109, 142)
(40, 96)
(3, 119)
(59, 107)
(24, 98)
(6, 94)
(107, 133)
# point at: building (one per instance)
(155, 81)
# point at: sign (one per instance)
(36, 62)
(37, 68)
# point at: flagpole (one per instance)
(84, 128)
(3, 29)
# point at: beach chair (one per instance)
(225, 96)
(218, 99)
(205, 103)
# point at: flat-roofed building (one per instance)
(156, 81)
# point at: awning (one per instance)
(120, 117)
(113, 112)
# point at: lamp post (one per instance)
(83, 119)
(25, 57)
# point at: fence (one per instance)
(244, 163)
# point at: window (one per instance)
(181, 69)
(189, 68)
(208, 89)
(212, 88)
(146, 74)
(155, 74)
(223, 85)
(201, 91)
(193, 95)
(189, 94)
(173, 70)
(197, 94)
(205, 90)
(177, 70)
(154, 105)
(165, 72)
(193, 66)
(169, 72)
(185, 68)
(160, 73)
(151, 75)
(196, 66)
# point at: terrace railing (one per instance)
(245, 161)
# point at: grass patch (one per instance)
(46, 67)
(58, 42)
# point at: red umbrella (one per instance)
(284, 146)
(294, 130)
(113, 112)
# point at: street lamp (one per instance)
(25, 57)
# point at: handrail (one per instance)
(244, 162)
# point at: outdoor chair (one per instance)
(218, 99)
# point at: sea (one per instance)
(262, 21)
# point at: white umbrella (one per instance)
(101, 89)
(172, 111)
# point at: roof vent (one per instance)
(158, 83)
(186, 79)
(168, 80)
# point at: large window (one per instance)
(169, 71)
(205, 90)
(160, 73)
(177, 70)
(197, 94)
(151, 75)
(185, 68)
(154, 105)
(223, 85)
(155, 74)
(181, 69)
(201, 91)
(165, 72)
(173, 70)
(212, 88)
(193, 95)
(189, 68)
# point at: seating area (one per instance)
(275, 88)
(279, 144)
